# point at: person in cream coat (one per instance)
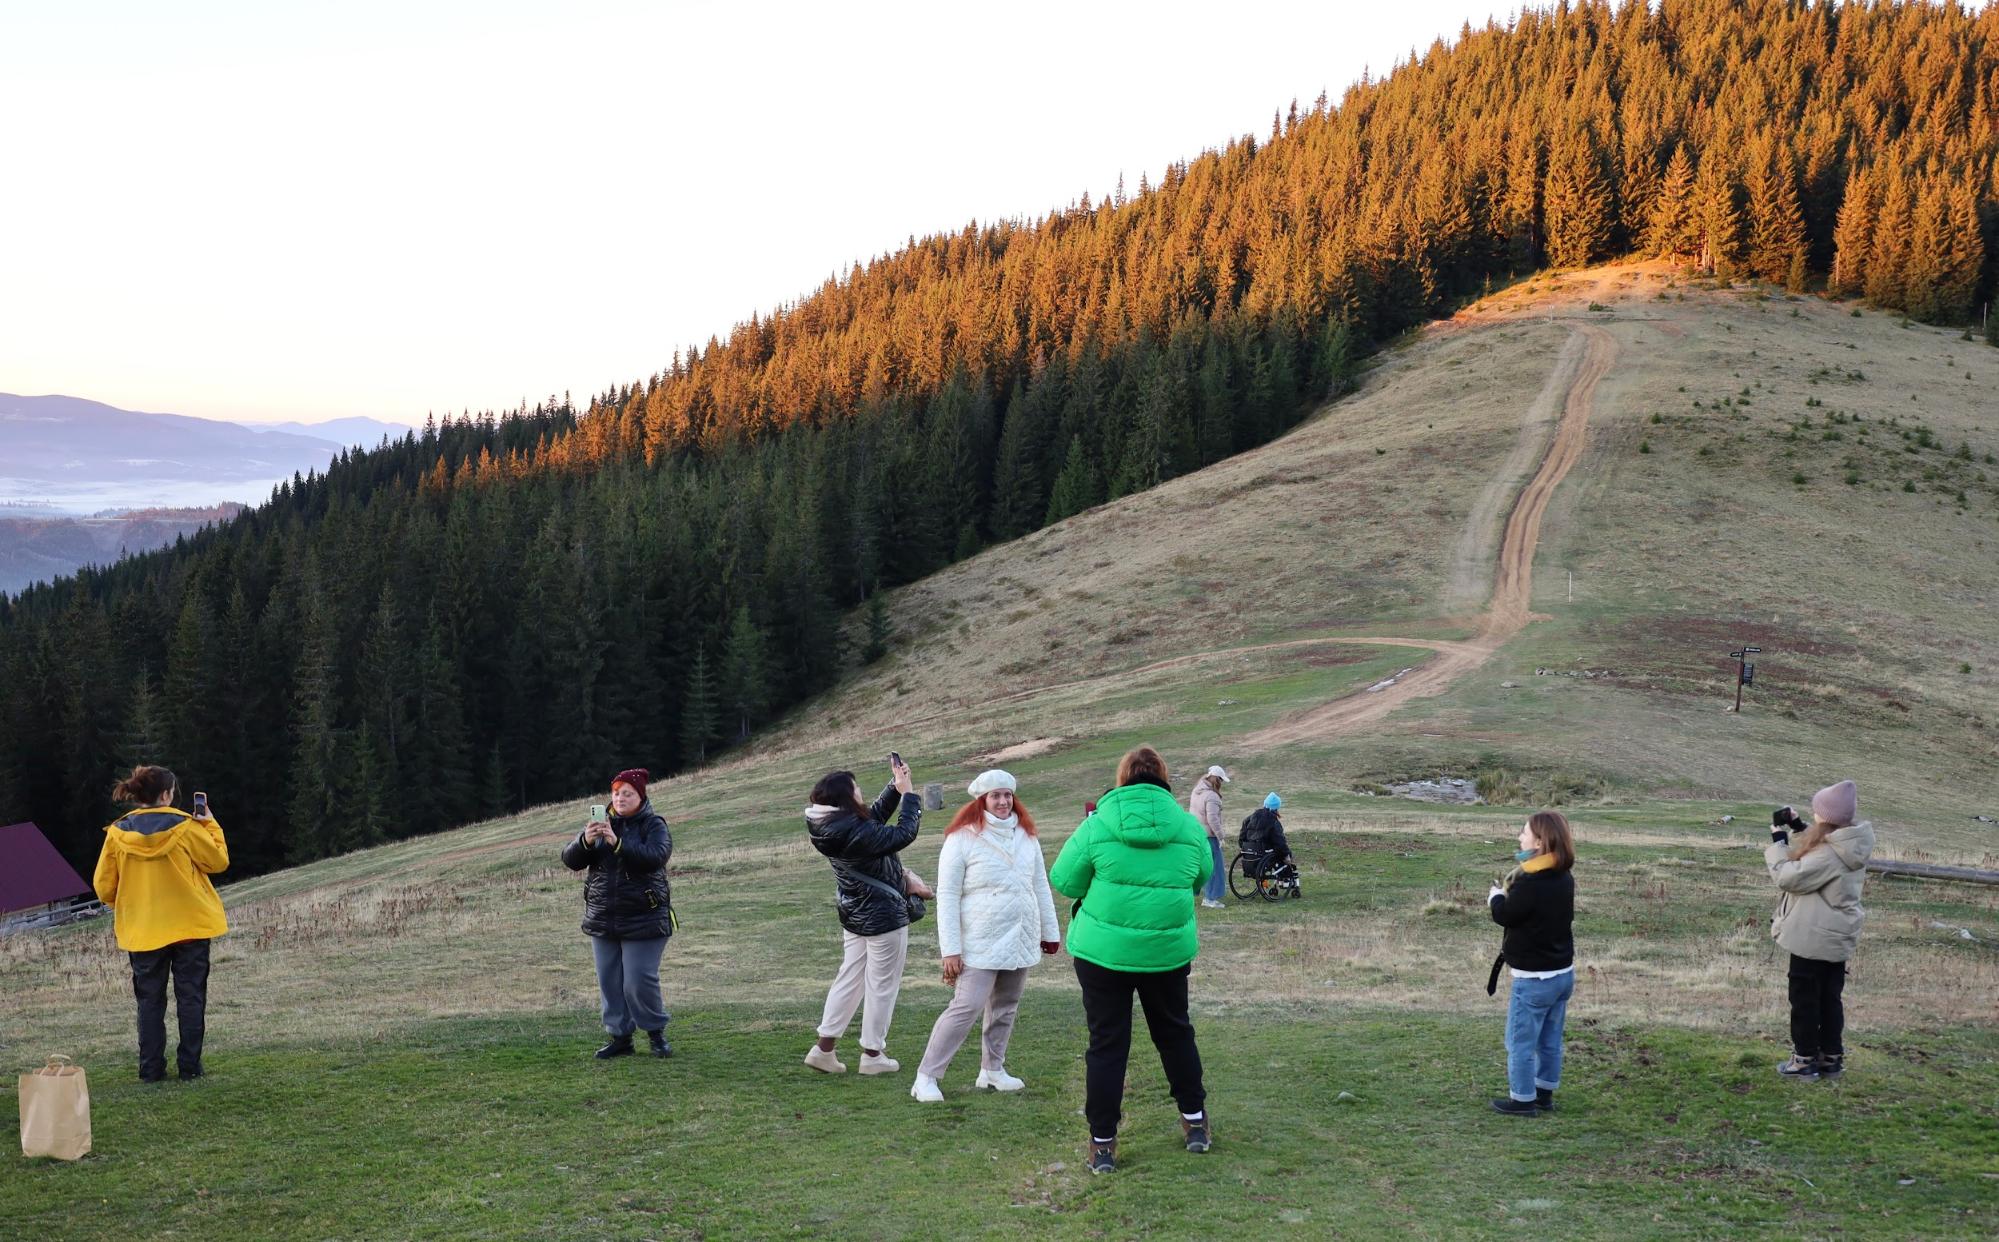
(995, 919)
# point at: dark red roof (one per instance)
(31, 872)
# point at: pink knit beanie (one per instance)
(1838, 805)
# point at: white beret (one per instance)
(990, 780)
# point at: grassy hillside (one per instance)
(399, 1037)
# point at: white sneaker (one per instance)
(879, 1063)
(1211, 905)
(823, 1060)
(926, 1090)
(999, 1080)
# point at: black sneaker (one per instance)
(1544, 1099)
(189, 1075)
(660, 1048)
(1803, 1069)
(1103, 1156)
(620, 1046)
(1515, 1108)
(1832, 1067)
(1195, 1133)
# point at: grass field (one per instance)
(399, 1038)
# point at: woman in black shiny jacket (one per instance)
(627, 911)
(873, 890)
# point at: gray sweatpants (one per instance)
(994, 993)
(628, 977)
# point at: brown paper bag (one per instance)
(55, 1111)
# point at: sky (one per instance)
(262, 212)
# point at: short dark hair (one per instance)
(146, 784)
(839, 789)
(1552, 831)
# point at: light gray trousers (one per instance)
(994, 993)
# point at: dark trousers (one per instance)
(1107, 1008)
(187, 962)
(1818, 1019)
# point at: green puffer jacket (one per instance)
(1136, 865)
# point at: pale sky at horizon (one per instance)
(267, 212)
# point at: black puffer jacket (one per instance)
(868, 846)
(627, 895)
(1263, 833)
(1538, 911)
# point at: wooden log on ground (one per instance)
(1932, 871)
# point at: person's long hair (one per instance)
(1811, 838)
(1552, 831)
(1142, 764)
(840, 789)
(973, 813)
(147, 784)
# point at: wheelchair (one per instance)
(1258, 875)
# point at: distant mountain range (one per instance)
(353, 432)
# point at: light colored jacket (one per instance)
(994, 907)
(153, 872)
(1206, 805)
(1818, 907)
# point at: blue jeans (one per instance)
(1218, 883)
(1534, 1034)
(628, 981)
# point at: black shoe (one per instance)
(1103, 1156)
(1195, 1133)
(660, 1048)
(1832, 1067)
(1515, 1108)
(620, 1046)
(189, 1075)
(1544, 1099)
(151, 1079)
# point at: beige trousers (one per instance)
(870, 972)
(994, 993)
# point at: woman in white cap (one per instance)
(1819, 877)
(995, 918)
(1206, 805)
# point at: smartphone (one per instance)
(894, 760)
(597, 815)
(200, 805)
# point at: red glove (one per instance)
(1048, 947)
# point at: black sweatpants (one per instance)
(1107, 1008)
(1818, 1019)
(187, 962)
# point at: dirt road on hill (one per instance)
(1513, 584)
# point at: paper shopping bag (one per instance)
(55, 1111)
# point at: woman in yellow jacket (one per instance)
(153, 873)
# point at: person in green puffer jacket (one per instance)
(1134, 867)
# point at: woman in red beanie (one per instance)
(627, 911)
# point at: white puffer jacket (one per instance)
(994, 906)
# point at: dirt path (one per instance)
(1513, 583)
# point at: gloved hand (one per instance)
(1495, 891)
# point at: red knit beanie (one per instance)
(635, 777)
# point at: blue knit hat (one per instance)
(1272, 802)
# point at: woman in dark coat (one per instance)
(627, 911)
(873, 888)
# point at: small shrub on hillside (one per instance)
(1908, 485)
(1644, 446)
(1798, 477)
(1852, 479)
(1657, 419)
(1855, 312)
(1965, 667)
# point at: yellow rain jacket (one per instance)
(153, 872)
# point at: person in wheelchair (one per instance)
(1266, 854)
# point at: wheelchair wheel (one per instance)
(1272, 890)
(1240, 882)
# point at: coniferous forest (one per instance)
(503, 609)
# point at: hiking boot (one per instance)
(823, 1060)
(1832, 1066)
(1544, 1099)
(878, 1063)
(998, 1080)
(925, 1090)
(620, 1046)
(1195, 1133)
(1515, 1108)
(1803, 1069)
(1103, 1156)
(660, 1048)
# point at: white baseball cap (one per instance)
(1217, 770)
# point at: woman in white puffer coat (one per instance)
(995, 918)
